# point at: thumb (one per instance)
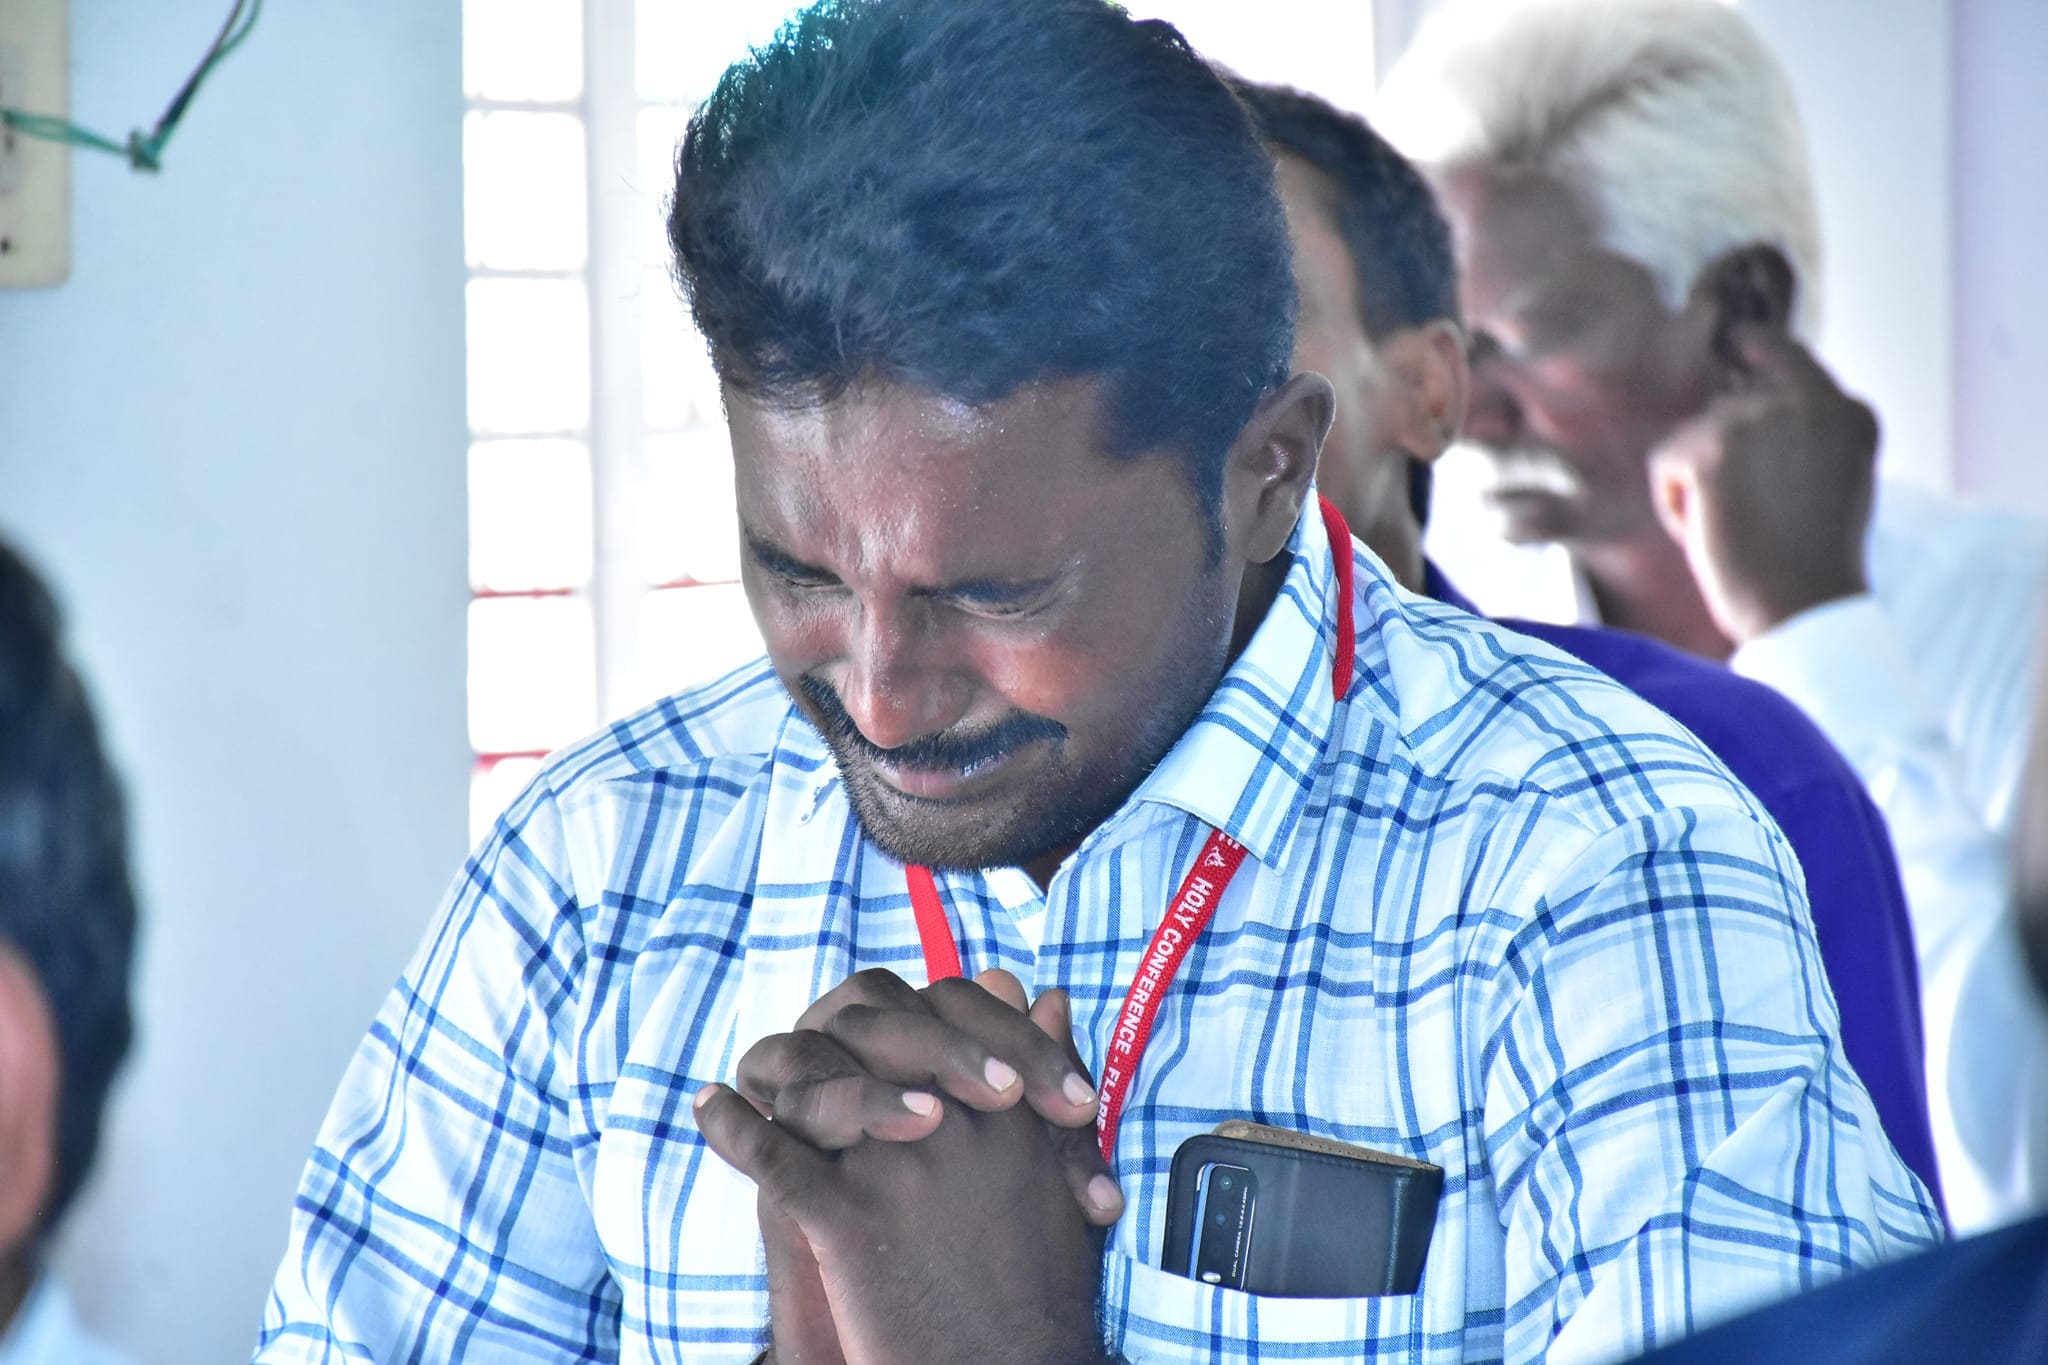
(799, 1309)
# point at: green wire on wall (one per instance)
(144, 151)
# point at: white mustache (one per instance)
(1531, 469)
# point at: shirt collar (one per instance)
(1248, 763)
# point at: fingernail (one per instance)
(919, 1102)
(1104, 1194)
(1000, 1075)
(701, 1098)
(1077, 1090)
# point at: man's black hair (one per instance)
(1398, 241)
(66, 903)
(1397, 237)
(969, 196)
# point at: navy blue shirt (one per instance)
(1983, 1300)
(1852, 876)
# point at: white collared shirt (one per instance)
(1497, 914)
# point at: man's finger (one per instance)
(1054, 1084)
(874, 986)
(807, 1083)
(1095, 1189)
(1003, 986)
(788, 1171)
(1053, 1013)
(1087, 1174)
(835, 1114)
(924, 1051)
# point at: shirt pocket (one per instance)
(1153, 1317)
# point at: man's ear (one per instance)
(1266, 475)
(1431, 383)
(28, 1103)
(1751, 284)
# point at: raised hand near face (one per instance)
(1769, 490)
(960, 1233)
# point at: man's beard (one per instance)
(1055, 810)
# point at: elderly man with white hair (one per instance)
(1639, 250)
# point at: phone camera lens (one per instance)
(1225, 1182)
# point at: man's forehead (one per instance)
(1515, 228)
(908, 465)
(866, 415)
(878, 413)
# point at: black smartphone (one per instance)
(1289, 1215)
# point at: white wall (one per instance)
(1928, 127)
(234, 441)
(1873, 81)
(2001, 209)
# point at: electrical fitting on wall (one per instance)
(35, 173)
(36, 134)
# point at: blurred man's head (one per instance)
(1625, 180)
(999, 296)
(1378, 299)
(67, 923)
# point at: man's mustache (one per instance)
(949, 751)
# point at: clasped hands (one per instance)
(928, 1174)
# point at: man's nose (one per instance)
(900, 681)
(1493, 416)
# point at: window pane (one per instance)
(523, 191)
(688, 529)
(529, 515)
(529, 355)
(684, 45)
(522, 49)
(492, 786)
(690, 635)
(532, 673)
(677, 383)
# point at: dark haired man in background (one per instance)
(67, 933)
(1373, 267)
(1000, 296)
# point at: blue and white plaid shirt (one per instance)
(1498, 914)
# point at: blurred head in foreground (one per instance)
(67, 928)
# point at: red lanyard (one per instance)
(1185, 918)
